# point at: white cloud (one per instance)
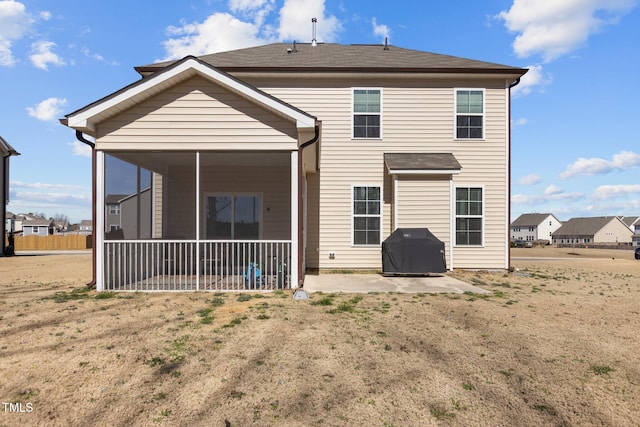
(46, 186)
(597, 166)
(380, 29)
(520, 122)
(256, 10)
(45, 15)
(47, 110)
(535, 79)
(224, 31)
(553, 190)
(554, 28)
(42, 55)
(295, 21)
(551, 194)
(606, 192)
(80, 149)
(530, 179)
(219, 32)
(15, 22)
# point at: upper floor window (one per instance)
(367, 107)
(114, 209)
(469, 114)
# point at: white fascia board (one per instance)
(424, 171)
(83, 119)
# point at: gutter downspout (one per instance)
(80, 137)
(301, 178)
(511, 86)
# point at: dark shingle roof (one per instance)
(421, 161)
(529, 220)
(339, 57)
(6, 149)
(38, 222)
(583, 226)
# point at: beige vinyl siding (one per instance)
(156, 213)
(271, 183)
(197, 114)
(614, 231)
(425, 202)
(418, 116)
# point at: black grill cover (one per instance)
(413, 251)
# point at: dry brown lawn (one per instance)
(554, 344)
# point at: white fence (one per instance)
(188, 265)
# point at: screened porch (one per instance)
(197, 221)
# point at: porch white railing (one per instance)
(190, 265)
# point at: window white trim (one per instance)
(455, 113)
(353, 113)
(380, 215)
(454, 236)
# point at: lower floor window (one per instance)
(469, 216)
(366, 215)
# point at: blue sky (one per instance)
(575, 114)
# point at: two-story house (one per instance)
(534, 226)
(593, 230)
(633, 222)
(297, 157)
(6, 151)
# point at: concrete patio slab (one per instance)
(365, 283)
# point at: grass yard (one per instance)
(554, 344)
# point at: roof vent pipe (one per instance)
(386, 43)
(313, 25)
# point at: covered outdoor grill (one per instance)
(413, 251)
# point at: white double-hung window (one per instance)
(469, 114)
(367, 215)
(367, 111)
(469, 216)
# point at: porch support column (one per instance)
(98, 226)
(293, 267)
(197, 220)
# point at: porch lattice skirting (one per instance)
(190, 265)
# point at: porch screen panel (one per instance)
(247, 217)
(219, 214)
(128, 198)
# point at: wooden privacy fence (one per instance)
(53, 242)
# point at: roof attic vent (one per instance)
(314, 42)
(293, 49)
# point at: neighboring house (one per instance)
(38, 227)
(593, 230)
(10, 223)
(113, 214)
(634, 225)
(85, 226)
(122, 214)
(61, 226)
(6, 151)
(534, 226)
(301, 157)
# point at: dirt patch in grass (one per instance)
(555, 343)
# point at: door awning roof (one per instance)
(421, 163)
